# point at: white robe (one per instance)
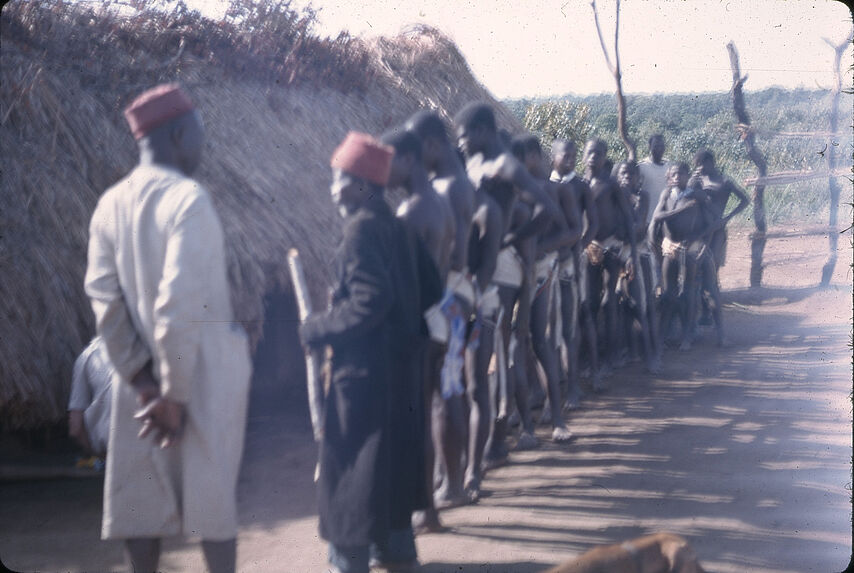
(157, 282)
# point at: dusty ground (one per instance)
(746, 452)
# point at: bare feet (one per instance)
(527, 441)
(573, 401)
(546, 415)
(472, 490)
(561, 435)
(444, 499)
(427, 522)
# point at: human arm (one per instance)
(488, 220)
(591, 215)
(367, 287)
(532, 191)
(663, 215)
(566, 234)
(126, 349)
(743, 202)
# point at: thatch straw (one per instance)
(64, 141)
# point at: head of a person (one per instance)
(361, 166)
(431, 130)
(564, 155)
(407, 154)
(627, 175)
(475, 127)
(656, 147)
(595, 155)
(165, 123)
(528, 151)
(677, 175)
(704, 161)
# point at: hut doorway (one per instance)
(278, 378)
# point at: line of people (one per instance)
(495, 273)
(515, 268)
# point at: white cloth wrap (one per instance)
(509, 270)
(462, 286)
(488, 303)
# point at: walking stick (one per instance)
(313, 357)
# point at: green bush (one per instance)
(690, 122)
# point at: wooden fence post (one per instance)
(747, 135)
(832, 183)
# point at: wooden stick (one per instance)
(757, 246)
(313, 358)
(832, 183)
(787, 177)
(622, 128)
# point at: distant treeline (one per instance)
(782, 119)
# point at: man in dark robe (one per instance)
(372, 449)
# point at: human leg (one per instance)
(545, 352)
(590, 288)
(220, 556)
(427, 520)
(480, 408)
(142, 554)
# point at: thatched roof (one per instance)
(272, 124)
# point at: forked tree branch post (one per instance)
(832, 182)
(631, 148)
(748, 136)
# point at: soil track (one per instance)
(745, 451)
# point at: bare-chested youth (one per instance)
(686, 221)
(637, 287)
(575, 306)
(718, 189)
(494, 172)
(607, 254)
(448, 176)
(432, 220)
(560, 234)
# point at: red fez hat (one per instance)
(155, 107)
(363, 156)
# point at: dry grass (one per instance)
(63, 142)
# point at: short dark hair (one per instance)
(564, 145)
(428, 124)
(517, 147)
(703, 156)
(632, 165)
(681, 166)
(476, 114)
(531, 143)
(403, 141)
(653, 137)
(596, 142)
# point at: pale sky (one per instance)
(549, 47)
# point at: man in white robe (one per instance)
(157, 282)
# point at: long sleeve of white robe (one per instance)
(158, 284)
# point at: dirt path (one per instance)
(745, 451)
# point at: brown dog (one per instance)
(658, 553)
